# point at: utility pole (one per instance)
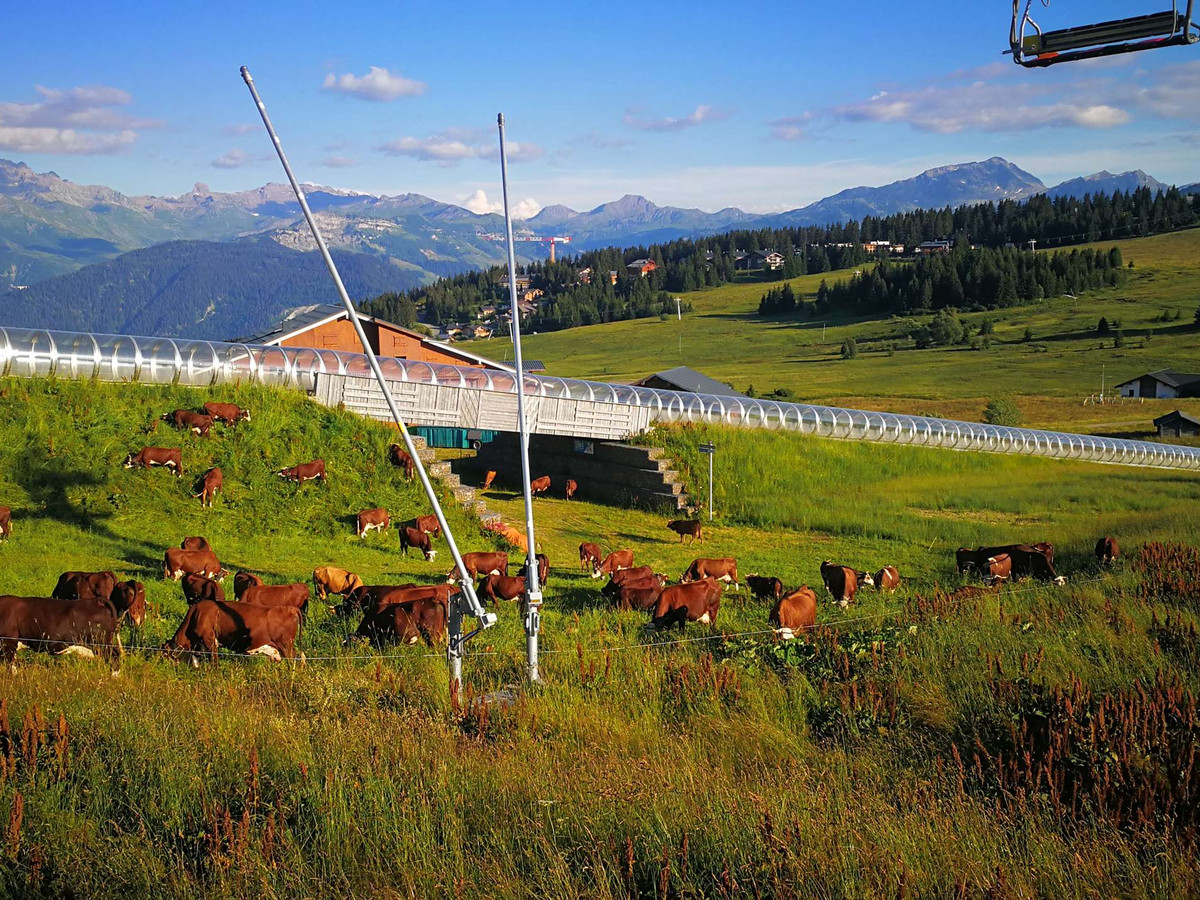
(678, 310)
(710, 450)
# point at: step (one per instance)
(438, 469)
(452, 481)
(463, 494)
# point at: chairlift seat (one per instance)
(1136, 28)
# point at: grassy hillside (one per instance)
(725, 338)
(714, 767)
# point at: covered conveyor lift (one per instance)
(1033, 48)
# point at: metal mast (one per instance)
(533, 593)
(464, 602)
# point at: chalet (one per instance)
(642, 267)
(1177, 424)
(1165, 383)
(935, 247)
(531, 294)
(612, 275)
(681, 378)
(877, 246)
(481, 332)
(583, 276)
(486, 312)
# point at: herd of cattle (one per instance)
(85, 610)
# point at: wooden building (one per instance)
(1177, 424)
(1163, 384)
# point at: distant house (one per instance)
(681, 378)
(486, 312)
(877, 246)
(481, 332)
(642, 267)
(935, 247)
(584, 276)
(531, 294)
(757, 260)
(1165, 384)
(1177, 424)
(612, 275)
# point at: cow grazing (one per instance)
(5, 523)
(539, 485)
(501, 587)
(243, 580)
(723, 569)
(843, 582)
(484, 562)
(149, 457)
(196, 542)
(488, 479)
(405, 623)
(572, 488)
(1028, 560)
(428, 524)
(614, 562)
(411, 537)
(332, 580)
(794, 612)
(294, 595)
(543, 566)
(887, 579)
(1107, 549)
(304, 472)
(209, 625)
(127, 597)
(210, 484)
(686, 528)
(765, 587)
(228, 413)
(370, 597)
(639, 597)
(186, 420)
(197, 588)
(52, 625)
(589, 556)
(369, 519)
(697, 601)
(401, 460)
(178, 562)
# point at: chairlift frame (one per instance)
(1039, 49)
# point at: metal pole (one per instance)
(711, 454)
(473, 606)
(533, 593)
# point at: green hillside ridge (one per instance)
(711, 767)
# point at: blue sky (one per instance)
(764, 106)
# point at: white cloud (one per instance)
(237, 130)
(81, 120)
(234, 159)
(478, 202)
(453, 145)
(339, 162)
(790, 128)
(702, 113)
(378, 85)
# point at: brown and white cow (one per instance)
(186, 420)
(488, 479)
(401, 460)
(614, 562)
(539, 485)
(197, 588)
(1028, 560)
(369, 519)
(482, 562)
(51, 625)
(639, 597)
(543, 565)
(589, 556)
(294, 595)
(686, 528)
(228, 413)
(501, 587)
(209, 625)
(332, 580)
(428, 524)
(765, 587)
(178, 562)
(369, 597)
(195, 542)
(998, 568)
(149, 457)
(405, 623)
(304, 472)
(210, 484)
(127, 597)
(1107, 549)
(5, 523)
(723, 569)
(697, 601)
(843, 582)
(243, 580)
(794, 612)
(887, 579)
(412, 537)
(572, 488)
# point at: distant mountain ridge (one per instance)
(1105, 183)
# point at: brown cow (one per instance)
(614, 562)
(369, 597)
(411, 537)
(1107, 549)
(843, 582)
(210, 483)
(243, 580)
(294, 595)
(197, 588)
(304, 472)
(887, 579)
(401, 460)
(765, 587)
(332, 580)
(501, 587)
(723, 569)
(697, 601)
(428, 524)
(149, 457)
(127, 597)
(624, 577)
(572, 488)
(686, 528)
(639, 598)
(50, 625)
(539, 485)
(240, 627)
(178, 562)
(372, 518)
(229, 413)
(1028, 560)
(407, 622)
(488, 479)
(999, 568)
(543, 565)
(494, 562)
(187, 420)
(794, 612)
(589, 556)
(5, 523)
(195, 543)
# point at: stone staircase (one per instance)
(464, 495)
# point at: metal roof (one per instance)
(1177, 414)
(300, 319)
(687, 379)
(1169, 377)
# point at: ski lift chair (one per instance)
(1037, 48)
